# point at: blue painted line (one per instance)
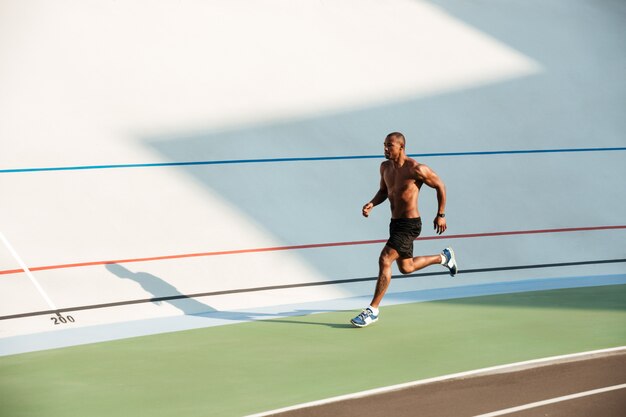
(303, 159)
(506, 287)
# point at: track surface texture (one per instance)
(498, 391)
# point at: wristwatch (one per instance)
(441, 214)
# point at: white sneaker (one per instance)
(365, 318)
(450, 261)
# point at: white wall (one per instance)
(102, 82)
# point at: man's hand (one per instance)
(440, 225)
(367, 208)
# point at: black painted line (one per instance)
(301, 285)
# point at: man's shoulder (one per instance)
(412, 163)
(423, 171)
(419, 169)
(414, 166)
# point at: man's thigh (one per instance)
(389, 255)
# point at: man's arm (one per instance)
(380, 196)
(430, 178)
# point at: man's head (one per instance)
(394, 145)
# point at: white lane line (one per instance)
(27, 272)
(466, 374)
(552, 401)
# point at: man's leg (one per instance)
(445, 258)
(409, 265)
(385, 261)
(370, 314)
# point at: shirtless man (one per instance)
(401, 178)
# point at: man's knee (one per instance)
(405, 266)
(385, 259)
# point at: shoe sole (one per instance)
(455, 269)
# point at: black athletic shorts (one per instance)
(402, 233)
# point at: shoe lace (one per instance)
(365, 313)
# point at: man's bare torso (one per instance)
(403, 187)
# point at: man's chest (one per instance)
(400, 182)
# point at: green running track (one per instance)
(246, 368)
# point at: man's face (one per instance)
(393, 148)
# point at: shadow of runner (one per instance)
(166, 292)
(161, 290)
(315, 323)
(286, 317)
(302, 317)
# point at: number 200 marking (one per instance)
(62, 320)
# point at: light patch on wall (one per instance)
(104, 73)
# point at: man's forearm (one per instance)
(441, 199)
(379, 198)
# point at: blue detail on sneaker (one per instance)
(450, 261)
(365, 318)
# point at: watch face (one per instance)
(441, 215)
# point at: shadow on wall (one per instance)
(564, 106)
(188, 305)
(160, 288)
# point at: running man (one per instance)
(401, 178)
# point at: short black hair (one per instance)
(397, 135)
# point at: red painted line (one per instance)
(309, 246)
